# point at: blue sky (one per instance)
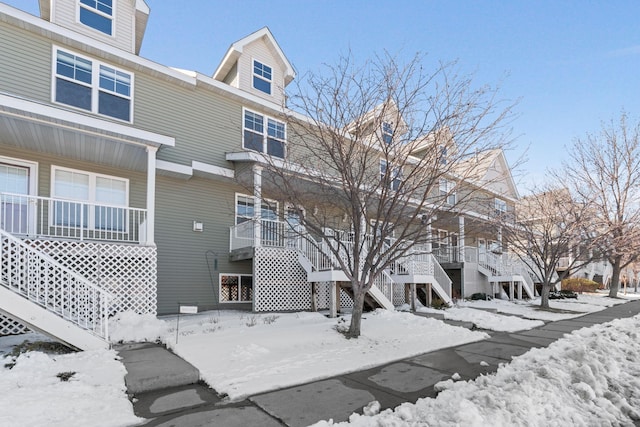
(572, 64)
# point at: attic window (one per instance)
(387, 132)
(97, 14)
(501, 206)
(262, 77)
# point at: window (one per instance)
(387, 132)
(236, 288)
(90, 200)
(262, 77)
(245, 209)
(92, 86)
(446, 191)
(255, 137)
(390, 176)
(501, 206)
(97, 14)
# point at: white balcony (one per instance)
(45, 217)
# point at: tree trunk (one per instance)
(544, 295)
(615, 278)
(358, 307)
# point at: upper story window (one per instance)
(262, 75)
(501, 206)
(387, 132)
(264, 134)
(446, 191)
(97, 14)
(390, 174)
(92, 86)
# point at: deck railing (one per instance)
(48, 217)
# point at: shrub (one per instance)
(437, 303)
(580, 284)
(565, 293)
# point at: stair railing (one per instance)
(44, 281)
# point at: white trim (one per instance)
(33, 184)
(253, 74)
(239, 275)
(79, 5)
(175, 168)
(265, 133)
(96, 66)
(212, 169)
(80, 120)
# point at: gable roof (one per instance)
(235, 50)
(486, 163)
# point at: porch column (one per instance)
(257, 204)
(461, 238)
(413, 297)
(500, 239)
(333, 301)
(151, 194)
(429, 247)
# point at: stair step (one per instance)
(153, 367)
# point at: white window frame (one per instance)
(239, 276)
(446, 190)
(92, 197)
(387, 132)
(265, 202)
(394, 184)
(111, 17)
(500, 206)
(255, 75)
(96, 67)
(265, 133)
(33, 185)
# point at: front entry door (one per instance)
(14, 200)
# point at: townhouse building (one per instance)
(130, 185)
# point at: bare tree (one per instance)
(549, 227)
(604, 171)
(369, 148)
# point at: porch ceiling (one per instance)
(45, 129)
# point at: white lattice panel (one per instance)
(8, 326)
(398, 294)
(129, 272)
(279, 281)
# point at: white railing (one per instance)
(42, 280)
(441, 277)
(70, 219)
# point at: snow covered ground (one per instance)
(245, 353)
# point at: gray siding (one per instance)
(183, 273)
(25, 67)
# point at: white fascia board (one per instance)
(212, 169)
(175, 168)
(81, 120)
(64, 36)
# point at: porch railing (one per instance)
(39, 278)
(71, 219)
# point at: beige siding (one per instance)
(65, 14)
(183, 272)
(260, 51)
(25, 68)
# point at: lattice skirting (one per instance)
(9, 326)
(280, 283)
(129, 272)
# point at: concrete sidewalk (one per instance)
(338, 397)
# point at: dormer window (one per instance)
(501, 206)
(262, 75)
(387, 132)
(97, 14)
